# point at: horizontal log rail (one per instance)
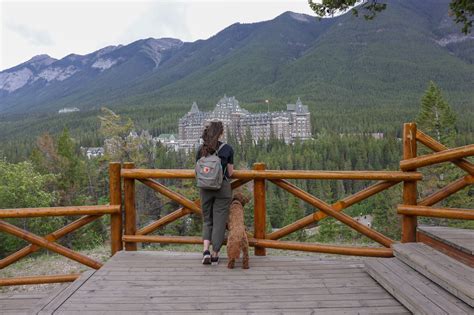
(278, 174)
(165, 239)
(58, 211)
(448, 213)
(324, 248)
(438, 147)
(39, 279)
(438, 157)
(299, 246)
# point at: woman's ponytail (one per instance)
(210, 136)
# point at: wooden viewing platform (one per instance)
(177, 283)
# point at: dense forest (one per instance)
(52, 171)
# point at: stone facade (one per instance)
(93, 152)
(168, 140)
(289, 125)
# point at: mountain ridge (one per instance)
(41, 71)
(326, 62)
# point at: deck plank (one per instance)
(218, 306)
(398, 310)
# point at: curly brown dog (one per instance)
(237, 239)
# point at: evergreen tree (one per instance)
(276, 210)
(111, 124)
(72, 175)
(295, 212)
(436, 117)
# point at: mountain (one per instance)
(329, 61)
(354, 75)
(42, 79)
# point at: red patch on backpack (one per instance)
(206, 169)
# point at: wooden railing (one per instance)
(410, 209)
(260, 176)
(413, 208)
(88, 213)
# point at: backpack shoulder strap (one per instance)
(220, 147)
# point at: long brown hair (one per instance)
(211, 135)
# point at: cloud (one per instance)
(34, 37)
(61, 27)
(162, 19)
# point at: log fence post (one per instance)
(130, 211)
(260, 210)
(115, 191)
(409, 222)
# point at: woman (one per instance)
(215, 203)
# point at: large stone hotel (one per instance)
(289, 125)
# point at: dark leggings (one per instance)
(215, 211)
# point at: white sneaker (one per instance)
(206, 258)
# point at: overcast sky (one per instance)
(58, 28)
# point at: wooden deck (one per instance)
(176, 283)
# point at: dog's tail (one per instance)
(234, 246)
